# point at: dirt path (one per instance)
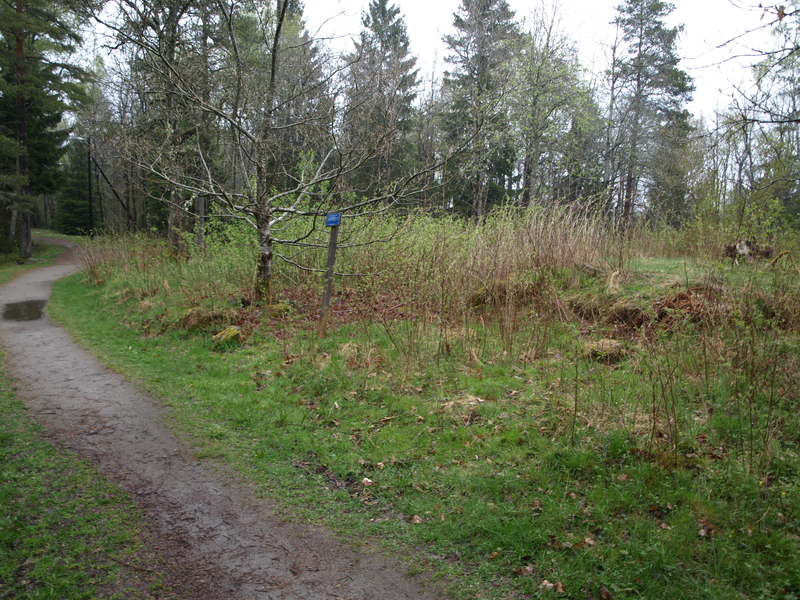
(218, 540)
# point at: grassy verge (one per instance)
(559, 433)
(63, 527)
(42, 255)
(65, 531)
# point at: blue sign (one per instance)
(333, 220)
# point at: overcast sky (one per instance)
(707, 24)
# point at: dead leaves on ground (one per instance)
(556, 587)
(555, 544)
(707, 530)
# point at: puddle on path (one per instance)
(30, 310)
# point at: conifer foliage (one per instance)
(476, 87)
(654, 92)
(36, 88)
(382, 88)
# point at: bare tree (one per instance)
(761, 127)
(773, 99)
(259, 131)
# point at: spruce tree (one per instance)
(73, 205)
(476, 89)
(381, 89)
(36, 88)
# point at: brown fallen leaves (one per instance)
(556, 587)
(706, 529)
(557, 545)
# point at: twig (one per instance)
(757, 522)
(116, 560)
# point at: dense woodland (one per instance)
(183, 113)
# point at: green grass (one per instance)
(62, 524)
(41, 255)
(669, 474)
(65, 531)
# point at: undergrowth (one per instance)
(536, 417)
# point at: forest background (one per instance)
(195, 113)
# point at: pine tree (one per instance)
(668, 187)
(653, 86)
(36, 88)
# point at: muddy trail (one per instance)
(216, 539)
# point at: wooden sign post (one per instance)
(332, 220)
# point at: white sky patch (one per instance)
(708, 24)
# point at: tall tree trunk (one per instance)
(479, 194)
(263, 285)
(263, 291)
(25, 241)
(175, 222)
(627, 204)
(527, 179)
(100, 201)
(200, 212)
(204, 138)
(633, 159)
(22, 140)
(148, 216)
(609, 175)
(263, 216)
(131, 208)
